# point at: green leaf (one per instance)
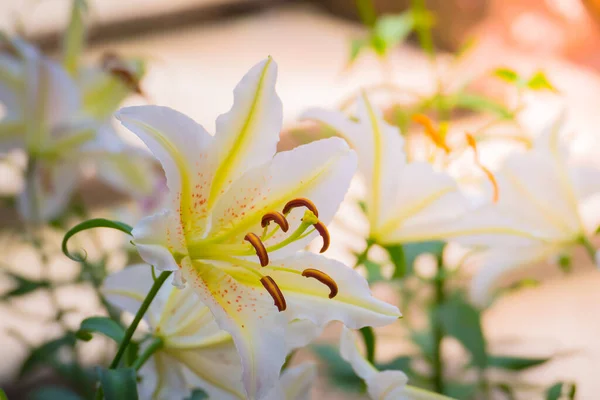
(539, 82)
(460, 390)
(366, 12)
(3, 395)
(507, 390)
(118, 384)
(356, 46)
(424, 341)
(373, 271)
(45, 353)
(340, 373)
(198, 394)
(391, 30)
(131, 353)
(400, 363)
(463, 321)
(414, 250)
(564, 263)
(396, 253)
(90, 224)
(561, 391)
(23, 286)
(423, 22)
(53, 393)
(74, 38)
(507, 75)
(370, 340)
(479, 103)
(514, 363)
(103, 325)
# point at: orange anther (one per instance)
(300, 202)
(322, 229)
(324, 279)
(271, 287)
(276, 217)
(472, 143)
(434, 134)
(259, 247)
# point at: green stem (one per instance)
(437, 331)
(134, 324)
(138, 317)
(156, 344)
(589, 247)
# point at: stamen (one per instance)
(258, 245)
(300, 202)
(322, 229)
(271, 287)
(434, 134)
(113, 64)
(473, 144)
(276, 217)
(324, 279)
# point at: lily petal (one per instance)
(320, 171)
(351, 131)
(162, 378)
(49, 193)
(433, 198)
(51, 98)
(388, 385)
(500, 261)
(351, 354)
(307, 298)
(247, 135)
(157, 237)
(295, 383)
(183, 148)
(249, 315)
(215, 368)
(301, 332)
(127, 289)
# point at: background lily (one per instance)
(542, 212)
(190, 351)
(295, 383)
(381, 385)
(239, 215)
(405, 202)
(46, 115)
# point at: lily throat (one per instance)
(240, 255)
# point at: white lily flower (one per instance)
(540, 213)
(381, 385)
(195, 353)
(295, 383)
(233, 199)
(406, 202)
(45, 116)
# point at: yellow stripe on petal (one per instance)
(377, 160)
(242, 141)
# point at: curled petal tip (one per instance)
(259, 247)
